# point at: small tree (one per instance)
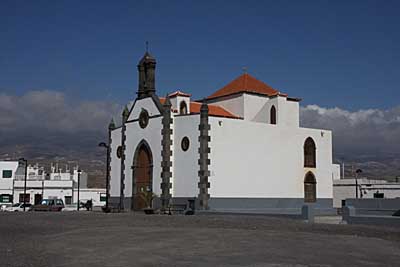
(147, 196)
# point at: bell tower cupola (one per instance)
(146, 68)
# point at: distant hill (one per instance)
(83, 150)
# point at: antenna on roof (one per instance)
(244, 69)
(147, 46)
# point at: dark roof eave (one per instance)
(218, 116)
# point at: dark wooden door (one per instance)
(142, 179)
(38, 199)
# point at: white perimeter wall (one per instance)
(93, 194)
(261, 160)
(346, 188)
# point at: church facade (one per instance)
(241, 148)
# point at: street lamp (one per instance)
(102, 144)
(26, 173)
(79, 181)
(358, 171)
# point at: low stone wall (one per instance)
(288, 206)
(351, 216)
(374, 206)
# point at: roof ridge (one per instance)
(244, 83)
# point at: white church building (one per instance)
(241, 148)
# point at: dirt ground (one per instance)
(128, 239)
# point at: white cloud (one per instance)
(45, 114)
(49, 111)
(371, 131)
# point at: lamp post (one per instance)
(102, 144)
(79, 181)
(26, 173)
(358, 171)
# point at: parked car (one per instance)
(49, 205)
(19, 207)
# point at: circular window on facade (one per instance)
(119, 152)
(185, 143)
(143, 119)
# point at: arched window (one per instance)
(272, 115)
(310, 188)
(309, 153)
(183, 108)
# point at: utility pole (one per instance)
(357, 172)
(79, 181)
(342, 169)
(26, 174)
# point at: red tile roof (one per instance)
(245, 83)
(179, 93)
(213, 110)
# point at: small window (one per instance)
(7, 173)
(183, 108)
(379, 195)
(119, 152)
(309, 153)
(5, 198)
(185, 143)
(143, 119)
(68, 200)
(273, 115)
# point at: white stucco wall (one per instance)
(176, 103)
(134, 134)
(249, 158)
(257, 108)
(235, 105)
(185, 163)
(260, 160)
(152, 135)
(146, 103)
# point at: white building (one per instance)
(241, 147)
(7, 171)
(364, 188)
(61, 184)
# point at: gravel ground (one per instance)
(97, 239)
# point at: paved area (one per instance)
(97, 239)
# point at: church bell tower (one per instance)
(147, 69)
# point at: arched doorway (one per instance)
(310, 188)
(142, 188)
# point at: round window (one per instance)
(119, 152)
(143, 119)
(185, 143)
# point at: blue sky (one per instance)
(330, 53)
